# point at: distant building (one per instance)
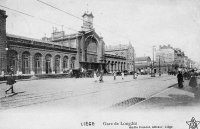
(143, 64)
(170, 59)
(127, 51)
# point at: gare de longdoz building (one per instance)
(60, 52)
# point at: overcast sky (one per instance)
(144, 23)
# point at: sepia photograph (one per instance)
(99, 64)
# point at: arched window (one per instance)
(73, 62)
(12, 60)
(65, 63)
(25, 63)
(48, 63)
(57, 64)
(92, 47)
(38, 63)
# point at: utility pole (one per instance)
(159, 67)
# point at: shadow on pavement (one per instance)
(186, 96)
(12, 94)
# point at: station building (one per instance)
(59, 53)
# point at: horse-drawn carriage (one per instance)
(78, 73)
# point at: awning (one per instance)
(91, 62)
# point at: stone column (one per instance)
(121, 66)
(111, 67)
(118, 66)
(83, 47)
(69, 62)
(115, 66)
(77, 64)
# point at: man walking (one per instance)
(180, 79)
(101, 77)
(10, 81)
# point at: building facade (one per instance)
(57, 54)
(126, 52)
(171, 59)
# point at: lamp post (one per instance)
(134, 77)
(152, 72)
(7, 58)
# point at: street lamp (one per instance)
(7, 58)
(152, 72)
(134, 77)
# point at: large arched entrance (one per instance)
(38, 63)
(26, 63)
(91, 45)
(65, 63)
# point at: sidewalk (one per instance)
(172, 97)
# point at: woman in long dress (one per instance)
(193, 80)
(95, 77)
(122, 75)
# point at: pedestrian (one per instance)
(122, 75)
(193, 80)
(180, 79)
(101, 77)
(10, 81)
(114, 74)
(135, 76)
(95, 77)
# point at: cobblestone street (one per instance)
(80, 93)
(84, 99)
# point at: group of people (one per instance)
(115, 75)
(192, 81)
(100, 77)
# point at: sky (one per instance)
(144, 23)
